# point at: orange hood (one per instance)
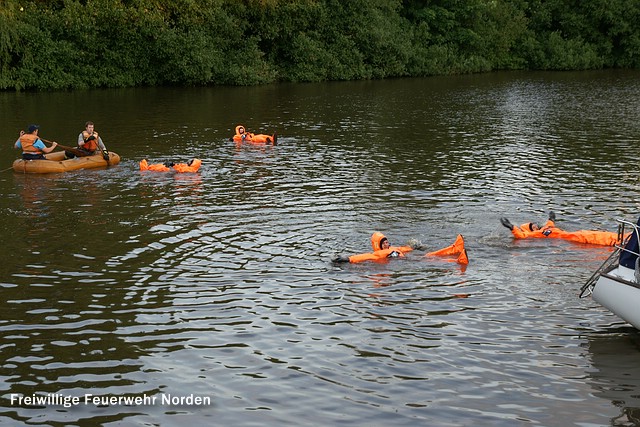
(238, 130)
(526, 226)
(376, 240)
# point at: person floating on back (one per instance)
(32, 146)
(549, 230)
(192, 165)
(243, 136)
(383, 250)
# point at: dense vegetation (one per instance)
(62, 44)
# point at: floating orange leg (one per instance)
(455, 249)
(462, 258)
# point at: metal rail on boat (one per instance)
(612, 262)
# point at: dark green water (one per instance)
(120, 283)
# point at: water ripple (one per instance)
(219, 283)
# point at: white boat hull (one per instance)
(617, 291)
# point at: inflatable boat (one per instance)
(57, 163)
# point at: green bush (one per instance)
(69, 44)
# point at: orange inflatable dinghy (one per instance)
(56, 163)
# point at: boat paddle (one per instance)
(75, 151)
(105, 154)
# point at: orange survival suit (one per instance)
(379, 254)
(192, 166)
(243, 136)
(592, 237)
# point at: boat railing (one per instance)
(635, 230)
(612, 261)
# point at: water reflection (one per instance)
(614, 375)
(219, 283)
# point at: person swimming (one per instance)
(383, 250)
(549, 230)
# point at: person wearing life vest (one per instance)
(383, 250)
(243, 136)
(89, 142)
(549, 230)
(192, 165)
(32, 146)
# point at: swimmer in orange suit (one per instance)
(383, 250)
(192, 165)
(243, 136)
(549, 229)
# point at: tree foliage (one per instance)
(67, 44)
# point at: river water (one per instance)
(215, 290)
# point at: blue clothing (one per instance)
(38, 144)
(628, 259)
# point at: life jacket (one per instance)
(27, 140)
(90, 145)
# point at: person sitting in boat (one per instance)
(549, 229)
(192, 165)
(89, 142)
(243, 136)
(32, 146)
(383, 250)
